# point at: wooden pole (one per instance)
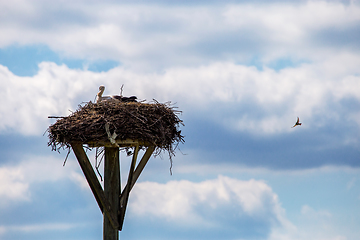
(94, 184)
(111, 189)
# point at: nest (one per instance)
(152, 123)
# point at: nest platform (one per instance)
(121, 124)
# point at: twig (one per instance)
(55, 117)
(97, 154)
(67, 155)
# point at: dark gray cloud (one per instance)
(14, 147)
(300, 149)
(240, 45)
(344, 37)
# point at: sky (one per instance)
(241, 72)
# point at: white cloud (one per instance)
(16, 181)
(313, 225)
(317, 224)
(51, 169)
(13, 186)
(33, 228)
(195, 47)
(30, 100)
(310, 213)
(238, 97)
(351, 184)
(38, 227)
(153, 36)
(209, 203)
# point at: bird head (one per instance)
(102, 88)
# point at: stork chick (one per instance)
(101, 98)
(99, 95)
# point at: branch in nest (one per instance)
(55, 117)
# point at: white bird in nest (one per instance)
(101, 98)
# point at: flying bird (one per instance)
(298, 123)
(101, 98)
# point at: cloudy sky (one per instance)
(241, 72)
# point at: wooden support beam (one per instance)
(121, 143)
(113, 207)
(94, 184)
(138, 171)
(111, 190)
(126, 193)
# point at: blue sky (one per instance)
(240, 71)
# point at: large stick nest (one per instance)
(153, 123)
